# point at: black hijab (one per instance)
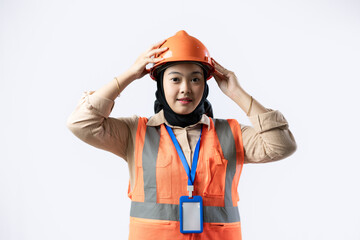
(181, 120)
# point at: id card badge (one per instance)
(191, 214)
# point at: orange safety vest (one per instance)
(160, 180)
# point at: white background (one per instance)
(301, 57)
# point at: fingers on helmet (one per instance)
(154, 51)
(221, 68)
(217, 73)
(154, 60)
(157, 45)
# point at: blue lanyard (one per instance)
(191, 175)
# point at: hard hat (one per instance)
(183, 48)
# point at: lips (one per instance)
(184, 100)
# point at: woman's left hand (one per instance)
(227, 80)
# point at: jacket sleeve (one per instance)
(269, 139)
(91, 123)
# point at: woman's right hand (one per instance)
(138, 69)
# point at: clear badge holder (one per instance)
(191, 214)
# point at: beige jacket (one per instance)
(269, 139)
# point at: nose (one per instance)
(185, 87)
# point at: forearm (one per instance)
(112, 89)
(91, 123)
(243, 100)
(268, 139)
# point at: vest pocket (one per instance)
(216, 173)
(163, 177)
(225, 225)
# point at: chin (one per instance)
(184, 112)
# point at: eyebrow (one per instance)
(196, 72)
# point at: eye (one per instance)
(175, 79)
(196, 80)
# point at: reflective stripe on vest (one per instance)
(150, 208)
(171, 212)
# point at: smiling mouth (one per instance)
(184, 100)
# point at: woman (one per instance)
(184, 165)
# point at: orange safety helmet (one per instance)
(183, 47)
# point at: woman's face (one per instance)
(183, 87)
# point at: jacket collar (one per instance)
(159, 119)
